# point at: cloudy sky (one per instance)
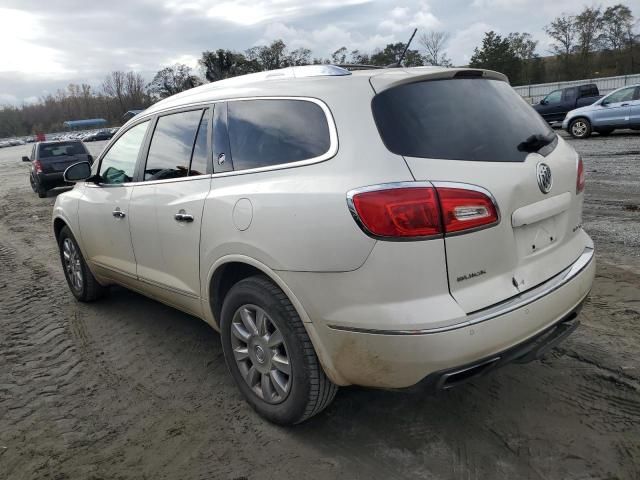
(45, 44)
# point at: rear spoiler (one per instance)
(392, 78)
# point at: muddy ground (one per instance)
(129, 388)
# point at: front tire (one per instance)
(81, 281)
(269, 354)
(580, 128)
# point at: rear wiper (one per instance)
(535, 142)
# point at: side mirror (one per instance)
(77, 172)
(543, 102)
(604, 103)
(26, 159)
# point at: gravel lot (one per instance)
(129, 388)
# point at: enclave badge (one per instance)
(543, 172)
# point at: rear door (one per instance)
(482, 142)
(166, 208)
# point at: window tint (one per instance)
(458, 119)
(570, 94)
(119, 163)
(624, 95)
(554, 97)
(171, 146)
(263, 133)
(222, 161)
(61, 149)
(200, 158)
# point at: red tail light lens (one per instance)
(398, 212)
(464, 209)
(580, 180)
(414, 212)
(38, 166)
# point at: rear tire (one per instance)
(580, 128)
(269, 354)
(81, 281)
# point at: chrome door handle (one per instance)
(118, 213)
(182, 216)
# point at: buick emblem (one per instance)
(543, 172)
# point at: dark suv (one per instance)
(49, 160)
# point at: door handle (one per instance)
(118, 213)
(183, 216)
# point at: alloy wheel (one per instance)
(261, 354)
(579, 128)
(72, 264)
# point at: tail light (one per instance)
(38, 166)
(466, 209)
(580, 179)
(419, 210)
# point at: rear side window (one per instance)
(172, 144)
(265, 133)
(457, 119)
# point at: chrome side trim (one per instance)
(489, 313)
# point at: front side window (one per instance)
(172, 144)
(265, 133)
(554, 97)
(624, 95)
(458, 119)
(119, 163)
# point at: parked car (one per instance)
(619, 109)
(555, 106)
(49, 160)
(99, 135)
(341, 228)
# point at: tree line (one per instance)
(595, 42)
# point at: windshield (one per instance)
(61, 149)
(459, 119)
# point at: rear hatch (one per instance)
(56, 157)
(476, 130)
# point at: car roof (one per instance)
(310, 81)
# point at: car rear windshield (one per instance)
(61, 149)
(458, 119)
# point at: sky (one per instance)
(47, 44)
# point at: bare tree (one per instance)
(588, 25)
(563, 31)
(434, 44)
(617, 23)
(134, 90)
(114, 86)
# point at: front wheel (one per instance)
(580, 128)
(269, 354)
(81, 281)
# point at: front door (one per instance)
(614, 109)
(166, 208)
(103, 209)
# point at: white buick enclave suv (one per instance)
(383, 228)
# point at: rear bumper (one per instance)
(532, 349)
(497, 335)
(51, 179)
